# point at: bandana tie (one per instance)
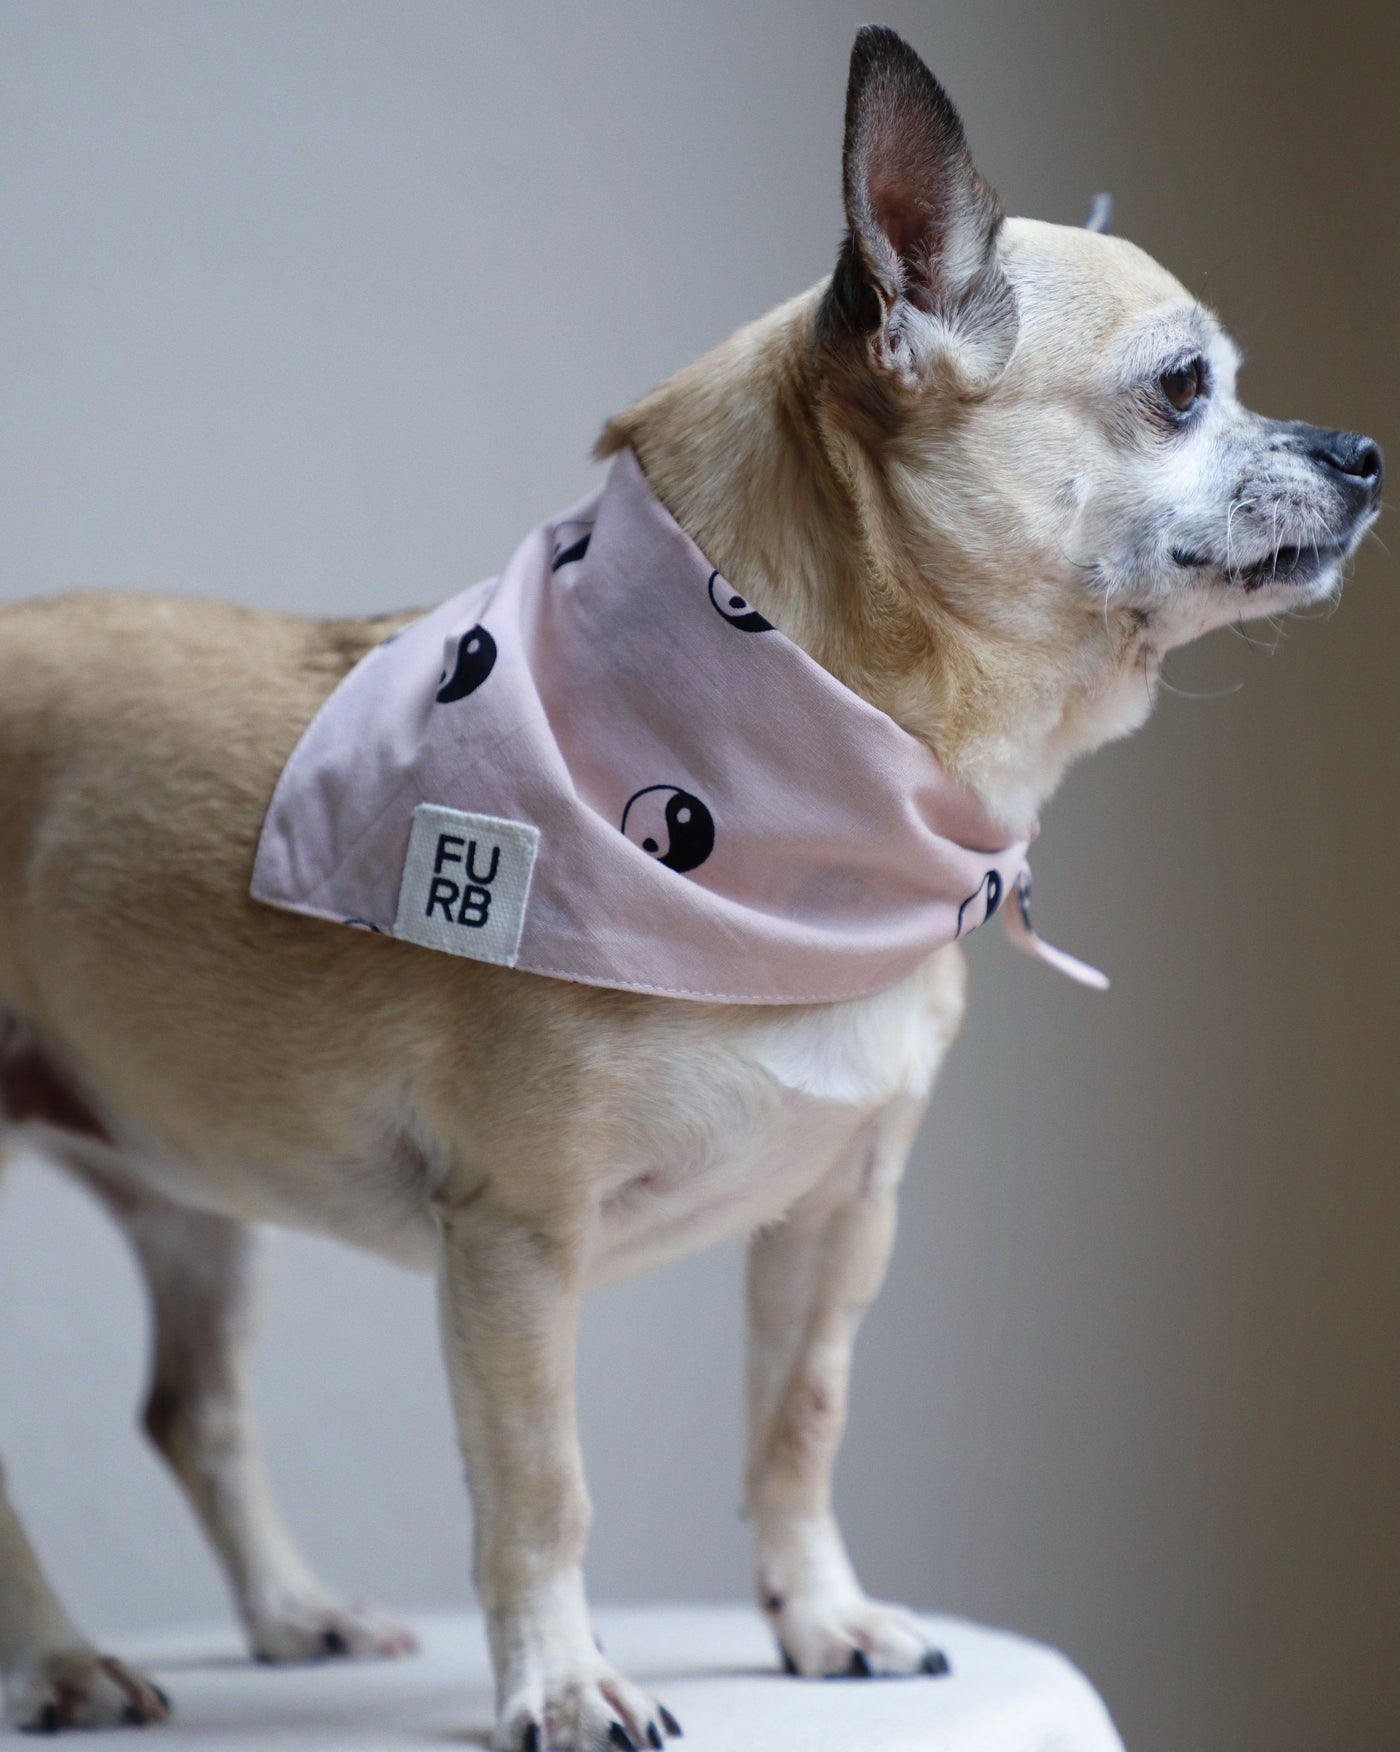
(605, 766)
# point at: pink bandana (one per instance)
(605, 766)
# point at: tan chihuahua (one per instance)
(986, 474)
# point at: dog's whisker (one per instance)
(1185, 693)
(1240, 631)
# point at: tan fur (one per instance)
(926, 531)
(954, 623)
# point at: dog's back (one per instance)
(140, 739)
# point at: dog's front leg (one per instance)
(810, 1279)
(510, 1301)
(51, 1675)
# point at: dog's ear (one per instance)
(918, 279)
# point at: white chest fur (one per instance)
(743, 1113)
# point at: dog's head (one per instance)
(1053, 455)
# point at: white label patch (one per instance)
(466, 881)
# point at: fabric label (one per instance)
(466, 882)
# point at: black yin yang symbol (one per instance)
(1023, 899)
(670, 825)
(734, 609)
(571, 547)
(476, 658)
(969, 914)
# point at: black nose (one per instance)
(1358, 458)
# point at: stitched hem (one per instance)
(641, 988)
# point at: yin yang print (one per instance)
(570, 544)
(476, 658)
(671, 825)
(1023, 881)
(629, 708)
(735, 609)
(975, 910)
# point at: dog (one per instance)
(985, 475)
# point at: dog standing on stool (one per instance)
(985, 475)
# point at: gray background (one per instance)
(321, 306)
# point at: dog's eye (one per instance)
(1184, 383)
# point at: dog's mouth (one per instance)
(1282, 565)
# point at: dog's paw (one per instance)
(79, 1688)
(851, 1639)
(314, 1628)
(595, 1710)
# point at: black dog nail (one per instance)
(669, 1722)
(621, 1738)
(654, 1736)
(789, 1665)
(530, 1739)
(860, 1665)
(935, 1663)
(334, 1643)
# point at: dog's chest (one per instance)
(738, 1119)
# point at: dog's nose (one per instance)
(1358, 458)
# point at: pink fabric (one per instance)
(661, 792)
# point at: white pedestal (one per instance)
(713, 1667)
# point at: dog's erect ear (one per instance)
(918, 276)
